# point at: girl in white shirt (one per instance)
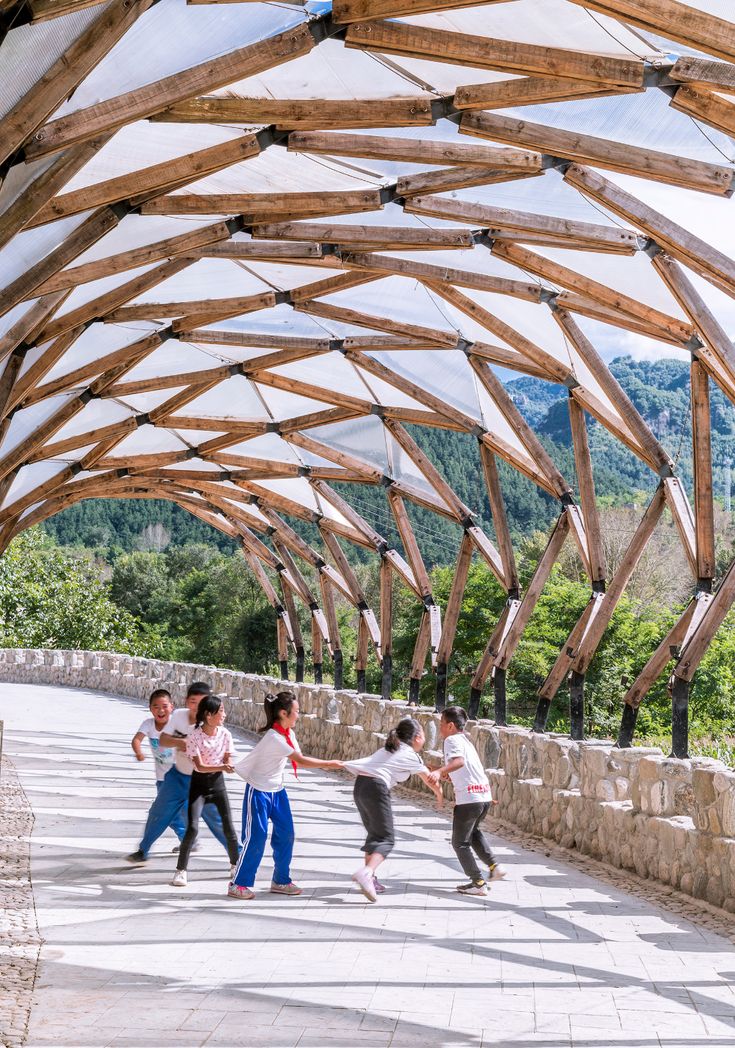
(376, 777)
(266, 799)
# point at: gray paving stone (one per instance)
(553, 958)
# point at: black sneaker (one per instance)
(136, 857)
(473, 888)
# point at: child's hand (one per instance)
(335, 765)
(432, 779)
(444, 776)
(140, 756)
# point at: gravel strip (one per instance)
(20, 941)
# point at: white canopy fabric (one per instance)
(243, 245)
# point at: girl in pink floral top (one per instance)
(209, 747)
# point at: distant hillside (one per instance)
(659, 389)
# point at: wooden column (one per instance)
(362, 654)
(500, 518)
(451, 618)
(664, 653)
(415, 559)
(282, 641)
(318, 621)
(419, 658)
(718, 352)
(386, 625)
(588, 502)
(358, 595)
(486, 664)
(551, 685)
(592, 637)
(683, 517)
(316, 650)
(283, 625)
(702, 458)
(622, 402)
(290, 606)
(331, 614)
(693, 651)
(532, 594)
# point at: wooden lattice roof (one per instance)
(242, 245)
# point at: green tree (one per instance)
(52, 599)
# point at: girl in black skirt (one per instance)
(376, 777)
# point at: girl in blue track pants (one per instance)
(266, 799)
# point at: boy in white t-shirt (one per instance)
(161, 708)
(472, 801)
(172, 799)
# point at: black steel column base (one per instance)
(387, 682)
(542, 715)
(299, 665)
(361, 681)
(413, 691)
(284, 669)
(474, 704)
(338, 670)
(440, 699)
(680, 717)
(317, 672)
(627, 727)
(500, 702)
(576, 705)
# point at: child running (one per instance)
(266, 799)
(161, 708)
(172, 798)
(472, 801)
(209, 748)
(376, 777)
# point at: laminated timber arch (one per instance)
(244, 246)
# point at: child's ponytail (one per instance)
(405, 731)
(392, 742)
(273, 704)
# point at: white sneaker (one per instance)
(179, 879)
(364, 881)
(496, 873)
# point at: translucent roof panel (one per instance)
(29, 51)
(202, 33)
(381, 265)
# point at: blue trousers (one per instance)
(178, 824)
(257, 808)
(170, 806)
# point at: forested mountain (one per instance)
(659, 389)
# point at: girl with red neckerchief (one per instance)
(266, 799)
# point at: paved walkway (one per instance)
(553, 958)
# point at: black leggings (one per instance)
(206, 788)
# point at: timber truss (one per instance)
(242, 246)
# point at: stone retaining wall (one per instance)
(667, 819)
